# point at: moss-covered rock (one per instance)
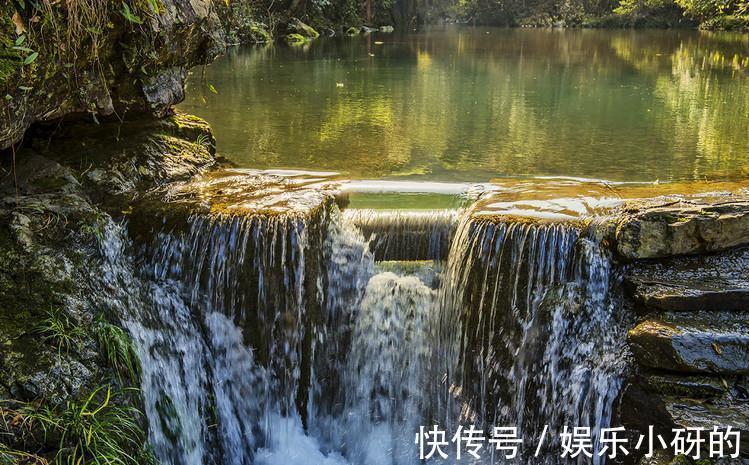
(58, 243)
(296, 39)
(110, 62)
(667, 227)
(296, 26)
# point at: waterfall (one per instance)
(284, 340)
(527, 332)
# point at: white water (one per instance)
(263, 344)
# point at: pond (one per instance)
(457, 103)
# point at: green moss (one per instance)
(10, 61)
(259, 35)
(352, 31)
(295, 39)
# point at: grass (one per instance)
(60, 329)
(12, 456)
(117, 348)
(95, 431)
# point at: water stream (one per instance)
(285, 339)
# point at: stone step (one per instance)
(406, 234)
(678, 225)
(692, 413)
(706, 282)
(702, 342)
(691, 386)
(667, 401)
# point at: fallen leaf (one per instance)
(717, 348)
(18, 21)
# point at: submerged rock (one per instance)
(704, 342)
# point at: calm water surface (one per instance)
(473, 104)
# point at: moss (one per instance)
(10, 61)
(259, 35)
(295, 38)
(352, 31)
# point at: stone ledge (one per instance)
(665, 227)
(704, 342)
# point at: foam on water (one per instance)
(279, 341)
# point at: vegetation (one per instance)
(118, 350)
(95, 431)
(60, 329)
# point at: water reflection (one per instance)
(472, 104)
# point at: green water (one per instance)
(472, 104)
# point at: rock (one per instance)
(690, 413)
(296, 26)
(129, 69)
(59, 244)
(695, 387)
(295, 39)
(699, 224)
(676, 401)
(164, 89)
(704, 342)
(258, 34)
(352, 31)
(705, 282)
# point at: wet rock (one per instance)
(703, 342)
(690, 413)
(236, 191)
(705, 282)
(667, 227)
(695, 387)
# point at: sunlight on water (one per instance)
(455, 104)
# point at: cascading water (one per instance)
(279, 339)
(527, 333)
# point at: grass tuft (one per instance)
(60, 329)
(117, 347)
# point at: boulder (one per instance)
(296, 26)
